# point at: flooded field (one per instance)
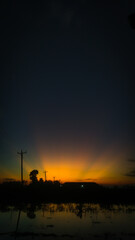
(67, 221)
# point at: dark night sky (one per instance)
(67, 86)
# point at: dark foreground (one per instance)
(16, 192)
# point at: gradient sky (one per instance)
(67, 93)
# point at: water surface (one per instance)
(67, 221)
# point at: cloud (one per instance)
(130, 174)
(131, 160)
(9, 179)
(89, 179)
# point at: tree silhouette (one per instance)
(33, 176)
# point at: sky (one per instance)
(67, 93)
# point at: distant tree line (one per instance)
(33, 177)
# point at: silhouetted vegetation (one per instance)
(53, 191)
(33, 176)
(39, 190)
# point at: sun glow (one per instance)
(105, 168)
(80, 168)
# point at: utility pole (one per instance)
(45, 174)
(21, 153)
(54, 179)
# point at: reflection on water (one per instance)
(66, 221)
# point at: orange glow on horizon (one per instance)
(107, 168)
